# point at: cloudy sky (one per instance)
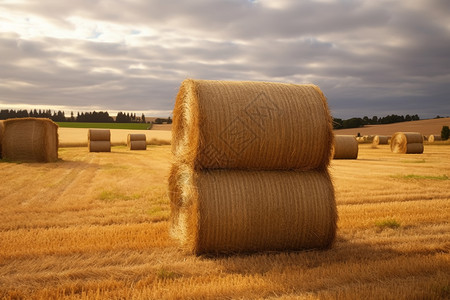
(369, 57)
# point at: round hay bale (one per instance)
(345, 147)
(1, 137)
(99, 135)
(434, 137)
(381, 140)
(229, 211)
(99, 146)
(137, 141)
(251, 125)
(30, 139)
(99, 140)
(407, 142)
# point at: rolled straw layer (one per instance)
(137, 141)
(251, 125)
(99, 146)
(381, 140)
(99, 135)
(407, 142)
(226, 211)
(30, 139)
(345, 147)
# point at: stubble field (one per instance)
(95, 225)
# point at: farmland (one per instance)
(95, 225)
(131, 126)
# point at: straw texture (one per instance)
(99, 140)
(251, 125)
(30, 139)
(137, 141)
(250, 167)
(434, 137)
(1, 137)
(407, 142)
(99, 146)
(226, 211)
(345, 147)
(381, 140)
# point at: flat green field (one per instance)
(133, 126)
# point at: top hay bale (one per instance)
(99, 140)
(381, 140)
(251, 125)
(137, 141)
(30, 139)
(407, 142)
(345, 147)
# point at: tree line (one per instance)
(59, 116)
(104, 117)
(360, 122)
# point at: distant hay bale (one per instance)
(251, 125)
(99, 140)
(381, 140)
(345, 147)
(228, 211)
(407, 142)
(30, 139)
(1, 136)
(434, 137)
(137, 141)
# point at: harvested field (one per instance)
(75, 229)
(77, 137)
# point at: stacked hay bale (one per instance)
(345, 147)
(434, 137)
(137, 141)
(1, 136)
(30, 139)
(381, 140)
(407, 142)
(99, 140)
(250, 167)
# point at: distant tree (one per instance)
(374, 120)
(337, 123)
(445, 133)
(143, 118)
(353, 123)
(169, 120)
(366, 120)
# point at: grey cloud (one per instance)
(367, 56)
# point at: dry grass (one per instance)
(75, 229)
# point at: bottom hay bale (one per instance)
(345, 147)
(407, 143)
(229, 211)
(99, 146)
